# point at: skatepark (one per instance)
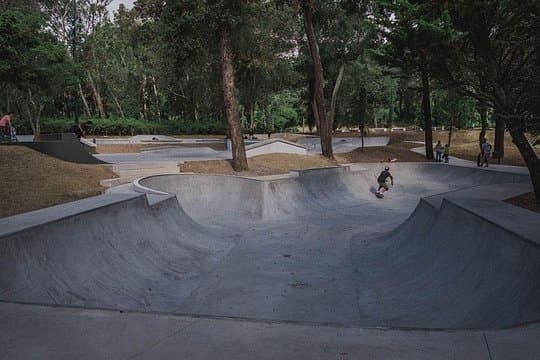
(308, 264)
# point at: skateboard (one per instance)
(380, 196)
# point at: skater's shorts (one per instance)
(383, 184)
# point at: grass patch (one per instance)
(31, 180)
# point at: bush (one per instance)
(128, 126)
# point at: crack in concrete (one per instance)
(159, 341)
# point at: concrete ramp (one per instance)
(65, 147)
(450, 268)
(118, 252)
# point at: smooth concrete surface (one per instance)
(178, 154)
(311, 265)
(343, 144)
(275, 146)
(40, 333)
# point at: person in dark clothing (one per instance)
(77, 130)
(383, 186)
(80, 129)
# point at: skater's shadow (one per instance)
(373, 190)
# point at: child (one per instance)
(446, 153)
(13, 134)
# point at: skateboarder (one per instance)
(383, 186)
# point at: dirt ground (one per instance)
(392, 152)
(527, 201)
(271, 164)
(31, 180)
(464, 144)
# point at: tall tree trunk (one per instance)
(337, 85)
(483, 118)
(156, 96)
(499, 136)
(315, 111)
(97, 96)
(391, 109)
(325, 126)
(85, 103)
(118, 106)
(400, 106)
(144, 97)
(239, 158)
(527, 153)
(426, 109)
(34, 115)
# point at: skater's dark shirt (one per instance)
(384, 175)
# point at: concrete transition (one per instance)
(65, 147)
(311, 265)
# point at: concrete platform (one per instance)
(343, 144)
(305, 266)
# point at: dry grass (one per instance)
(527, 201)
(31, 180)
(464, 144)
(270, 164)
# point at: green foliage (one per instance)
(282, 111)
(156, 66)
(115, 126)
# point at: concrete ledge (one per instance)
(17, 223)
(275, 146)
(521, 222)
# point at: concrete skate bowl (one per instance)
(315, 247)
(208, 198)
(446, 266)
(112, 251)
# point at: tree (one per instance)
(34, 67)
(496, 59)
(202, 21)
(229, 99)
(412, 33)
(325, 128)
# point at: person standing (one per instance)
(486, 151)
(5, 124)
(439, 151)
